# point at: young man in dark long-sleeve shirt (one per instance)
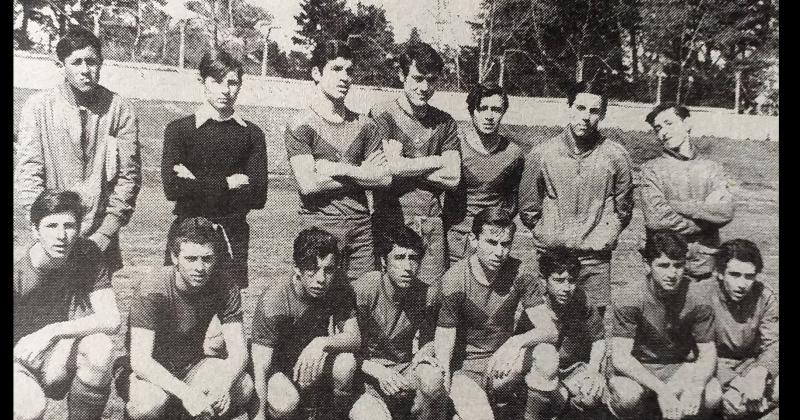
(215, 163)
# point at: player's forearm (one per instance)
(411, 167)
(705, 365)
(719, 213)
(596, 355)
(371, 368)
(632, 368)
(106, 323)
(262, 362)
(150, 370)
(444, 342)
(364, 175)
(535, 337)
(343, 342)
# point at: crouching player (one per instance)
(560, 378)
(56, 350)
(393, 305)
(479, 298)
(168, 320)
(663, 339)
(305, 332)
(746, 314)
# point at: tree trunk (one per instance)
(230, 13)
(24, 39)
(138, 37)
(634, 52)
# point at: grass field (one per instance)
(753, 165)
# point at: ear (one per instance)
(473, 240)
(35, 230)
(401, 76)
(383, 264)
(59, 63)
(201, 81)
(296, 271)
(173, 258)
(316, 74)
(689, 123)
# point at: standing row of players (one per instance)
(573, 191)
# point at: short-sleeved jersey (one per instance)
(664, 329)
(350, 141)
(42, 298)
(579, 326)
(432, 135)
(487, 180)
(179, 319)
(389, 321)
(484, 315)
(287, 320)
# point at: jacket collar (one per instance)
(677, 155)
(568, 143)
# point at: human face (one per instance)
(195, 263)
(671, 129)
(335, 79)
(57, 234)
(738, 278)
(585, 114)
(419, 87)
(493, 246)
(488, 114)
(316, 282)
(667, 273)
(221, 94)
(402, 266)
(82, 69)
(561, 287)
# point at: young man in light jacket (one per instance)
(684, 194)
(576, 192)
(80, 136)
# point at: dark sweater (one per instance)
(212, 153)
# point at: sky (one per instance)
(402, 14)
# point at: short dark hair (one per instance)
(51, 202)
(327, 51)
(595, 88)
(427, 60)
(664, 242)
(217, 63)
(484, 91)
(740, 249)
(313, 243)
(402, 236)
(197, 230)
(681, 111)
(494, 216)
(77, 39)
(557, 261)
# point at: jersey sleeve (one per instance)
(98, 272)
(369, 138)
(626, 321)
(532, 294)
(232, 311)
(703, 324)
(146, 308)
(299, 140)
(269, 318)
(594, 324)
(345, 306)
(433, 301)
(450, 140)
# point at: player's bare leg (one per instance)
(92, 383)
(544, 392)
(29, 400)
(370, 407)
(145, 400)
(429, 398)
(206, 373)
(283, 398)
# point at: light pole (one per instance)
(265, 28)
(579, 67)
(737, 95)
(481, 55)
(503, 63)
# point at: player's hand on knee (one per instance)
(592, 387)
(311, 362)
(393, 383)
(31, 348)
(197, 403)
(753, 388)
(220, 398)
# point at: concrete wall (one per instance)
(156, 82)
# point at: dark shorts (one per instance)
(355, 240)
(235, 240)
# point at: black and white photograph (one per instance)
(395, 209)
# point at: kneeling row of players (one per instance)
(390, 346)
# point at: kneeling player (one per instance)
(167, 327)
(746, 314)
(393, 305)
(574, 331)
(659, 325)
(479, 298)
(297, 353)
(56, 351)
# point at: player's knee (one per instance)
(469, 397)
(245, 391)
(95, 353)
(344, 368)
(146, 407)
(713, 394)
(775, 395)
(366, 408)
(431, 381)
(29, 404)
(544, 367)
(625, 397)
(282, 397)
